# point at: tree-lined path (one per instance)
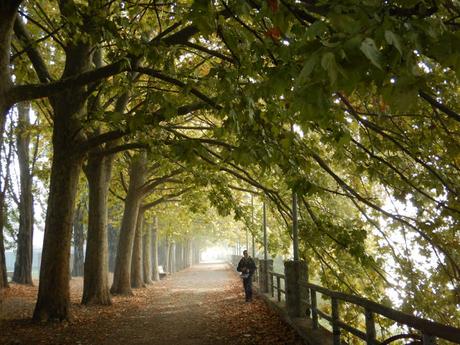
(202, 305)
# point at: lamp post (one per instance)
(295, 227)
(252, 226)
(265, 230)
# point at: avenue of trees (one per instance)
(134, 115)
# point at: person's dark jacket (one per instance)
(246, 266)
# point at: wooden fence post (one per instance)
(370, 327)
(335, 321)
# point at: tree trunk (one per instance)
(23, 265)
(96, 285)
(196, 254)
(78, 242)
(172, 257)
(155, 273)
(122, 275)
(8, 10)
(147, 254)
(162, 250)
(113, 240)
(167, 255)
(3, 275)
(189, 253)
(179, 256)
(137, 276)
(53, 294)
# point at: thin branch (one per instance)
(355, 194)
(164, 198)
(116, 195)
(120, 148)
(168, 79)
(34, 56)
(148, 187)
(434, 103)
(123, 182)
(209, 51)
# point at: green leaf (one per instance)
(393, 40)
(317, 29)
(369, 49)
(307, 68)
(329, 64)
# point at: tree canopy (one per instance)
(352, 105)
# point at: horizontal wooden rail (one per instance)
(277, 274)
(427, 327)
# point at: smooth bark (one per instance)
(122, 274)
(113, 241)
(96, 284)
(147, 253)
(23, 265)
(172, 257)
(78, 242)
(167, 256)
(137, 272)
(155, 262)
(189, 253)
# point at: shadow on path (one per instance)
(201, 305)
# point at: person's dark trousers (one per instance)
(247, 284)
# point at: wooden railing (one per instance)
(429, 330)
(278, 285)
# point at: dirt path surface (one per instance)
(198, 306)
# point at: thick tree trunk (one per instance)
(155, 262)
(53, 294)
(137, 272)
(96, 284)
(23, 265)
(3, 275)
(78, 242)
(122, 275)
(113, 240)
(8, 11)
(147, 253)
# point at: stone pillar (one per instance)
(294, 272)
(265, 266)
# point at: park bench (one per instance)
(161, 272)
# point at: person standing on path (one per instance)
(247, 268)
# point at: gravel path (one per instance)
(198, 306)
